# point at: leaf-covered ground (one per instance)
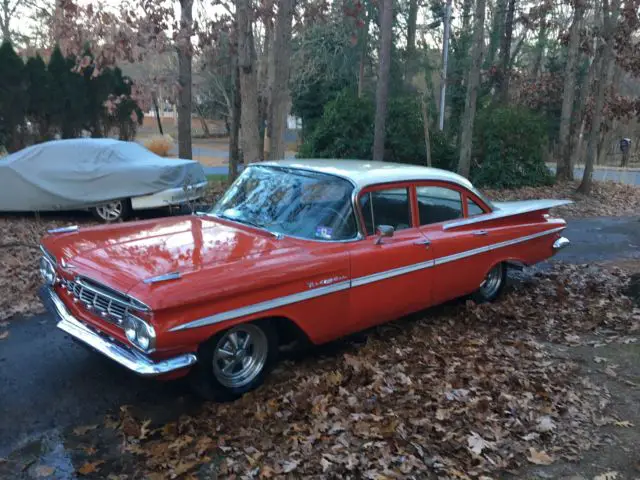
(607, 199)
(463, 391)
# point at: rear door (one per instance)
(393, 277)
(459, 265)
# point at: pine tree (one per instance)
(38, 83)
(13, 99)
(68, 96)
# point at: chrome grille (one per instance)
(95, 299)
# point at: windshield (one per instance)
(291, 202)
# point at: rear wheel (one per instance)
(114, 211)
(235, 361)
(492, 285)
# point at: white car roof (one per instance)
(363, 173)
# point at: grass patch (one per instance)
(217, 177)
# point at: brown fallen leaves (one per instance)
(465, 391)
(607, 199)
(19, 255)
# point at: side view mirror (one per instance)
(384, 231)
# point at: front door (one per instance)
(390, 277)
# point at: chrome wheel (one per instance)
(240, 355)
(111, 211)
(490, 287)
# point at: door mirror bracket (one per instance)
(384, 231)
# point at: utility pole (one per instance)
(445, 61)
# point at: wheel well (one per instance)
(288, 330)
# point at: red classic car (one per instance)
(308, 250)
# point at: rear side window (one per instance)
(386, 207)
(438, 204)
(473, 208)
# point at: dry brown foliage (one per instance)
(464, 391)
(160, 145)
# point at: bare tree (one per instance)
(610, 13)
(234, 129)
(277, 117)
(249, 117)
(464, 164)
(564, 170)
(505, 53)
(412, 20)
(185, 56)
(9, 8)
(382, 91)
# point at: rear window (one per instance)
(438, 204)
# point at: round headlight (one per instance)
(139, 333)
(47, 271)
(143, 339)
(129, 325)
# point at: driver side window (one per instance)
(386, 207)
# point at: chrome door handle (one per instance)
(424, 242)
(481, 233)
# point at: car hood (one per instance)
(122, 256)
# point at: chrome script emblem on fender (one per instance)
(326, 281)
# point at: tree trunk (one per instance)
(234, 130)
(610, 17)
(425, 120)
(564, 171)
(464, 164)
(540, 48)
(154, 99)
(505, 53)
(265, 82)
(412, 21)
(382, 89)
(277, 118)
(577, 134)
(4, 21)
(364, 53)
(250, 133)
(203, 122)
(184, 69)
(497, 22)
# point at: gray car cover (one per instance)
(83, 172)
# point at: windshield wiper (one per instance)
(248, 222)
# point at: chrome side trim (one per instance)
(264, 306)
(376, 277)
(356, 282)
(495, 246)
(128, 358)
(71, 228)
(507, 209)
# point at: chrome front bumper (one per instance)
(560, 243)
(127, 357)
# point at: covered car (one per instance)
(109, 177)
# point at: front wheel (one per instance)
(235, 361)
(115, 211)
(492, 285)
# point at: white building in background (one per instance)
(294, 123)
